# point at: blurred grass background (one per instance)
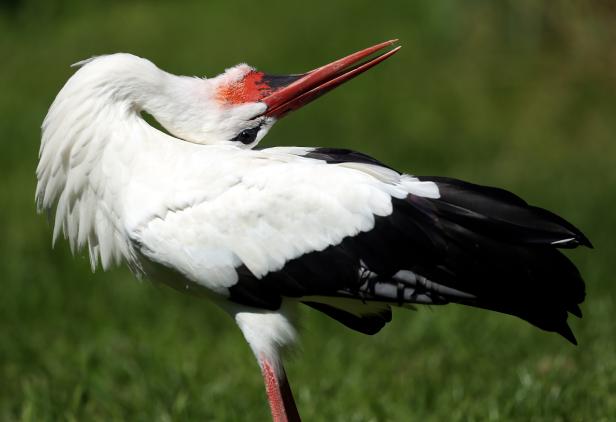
(519, 94)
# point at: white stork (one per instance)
(259, 231)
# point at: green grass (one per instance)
(518, 94)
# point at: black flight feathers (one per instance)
(504, 251)
(474, 245)
(504, 215)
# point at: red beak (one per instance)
(288, 93)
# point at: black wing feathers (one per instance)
(504, 251)
(474, 245)
(341, 155)
(504, 214)
(366, 324)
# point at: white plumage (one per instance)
(203, 211)
(197, 204)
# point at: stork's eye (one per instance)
(247, 136)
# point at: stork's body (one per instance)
(261, 231)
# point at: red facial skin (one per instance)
(249, 89)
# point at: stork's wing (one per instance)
(263, 210)
(336, 225)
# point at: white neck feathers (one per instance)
(99, 102)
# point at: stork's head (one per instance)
(241, 105)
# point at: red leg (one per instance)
(279, 393)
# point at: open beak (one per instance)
(287, 93)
